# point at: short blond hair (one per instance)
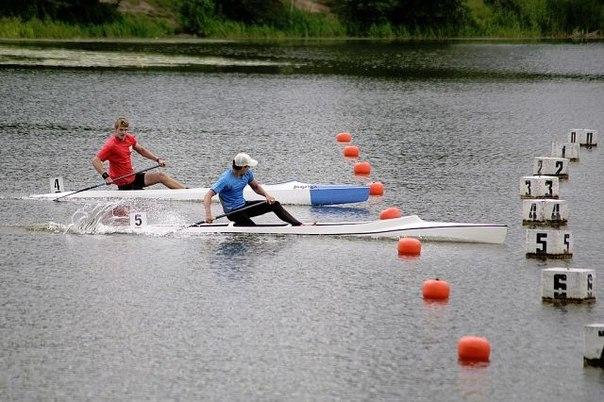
(121, 122)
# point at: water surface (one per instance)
(448, 127)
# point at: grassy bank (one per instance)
(299, 25)
(129, 26)
(531, 19)
(137, 26)
(143, 27)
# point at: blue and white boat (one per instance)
(291, 192)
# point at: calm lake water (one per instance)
(449, 128)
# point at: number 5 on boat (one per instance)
(138, 220)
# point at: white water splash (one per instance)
(114, 218)
(99, 219)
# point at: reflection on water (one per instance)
(330, 212)
(49, 57)
(474, 382)
(395, 59)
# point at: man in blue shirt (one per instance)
(229, 188)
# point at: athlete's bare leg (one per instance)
(163, 178)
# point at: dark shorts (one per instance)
(137, 184)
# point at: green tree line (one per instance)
(74, 11)
(409, 17)
(374, 18)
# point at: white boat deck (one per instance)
(408, 226)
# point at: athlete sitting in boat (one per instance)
(229, 188)
(118, 151)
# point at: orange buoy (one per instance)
(376, 188)
(343, 137)
(351, 151)
(472, 349)
(391, 213)
(409, 246)
(435, 289)
(362, 168)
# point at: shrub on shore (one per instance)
(246, 19)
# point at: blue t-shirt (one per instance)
(230, 189)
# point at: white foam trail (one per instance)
(98, 218)
(113, 218)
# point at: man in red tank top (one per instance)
(118, 151)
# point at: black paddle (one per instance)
(105, 184)
(227, 214)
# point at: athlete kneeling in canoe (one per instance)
(118, 151)
(229, 188)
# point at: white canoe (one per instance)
(407, 226)
(292, 193)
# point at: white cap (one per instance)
(244, 160)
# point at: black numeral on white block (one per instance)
(560, 286)
(541, 240)
(566, 150)
(138, 220)
(56, 185)
(549, 243)
(544, 212)
(555, 215)
(532, 211)
(549, 185)
(584, 137)
(593, 354)
(534, 187)
(551, 166)
(555, 212)
(568, 285)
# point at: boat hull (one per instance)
(292, 193)
(409, 226)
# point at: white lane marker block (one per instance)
(550, 166)
(593, 353)
(567, 150)
(585, 137)
(568, 285)
(544, 212)
(549, 243)
(539, 187)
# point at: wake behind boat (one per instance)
(291, 192)
(407, 226)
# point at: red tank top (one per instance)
(119, 154)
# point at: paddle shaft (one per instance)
(227, 214)
(105, 184)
